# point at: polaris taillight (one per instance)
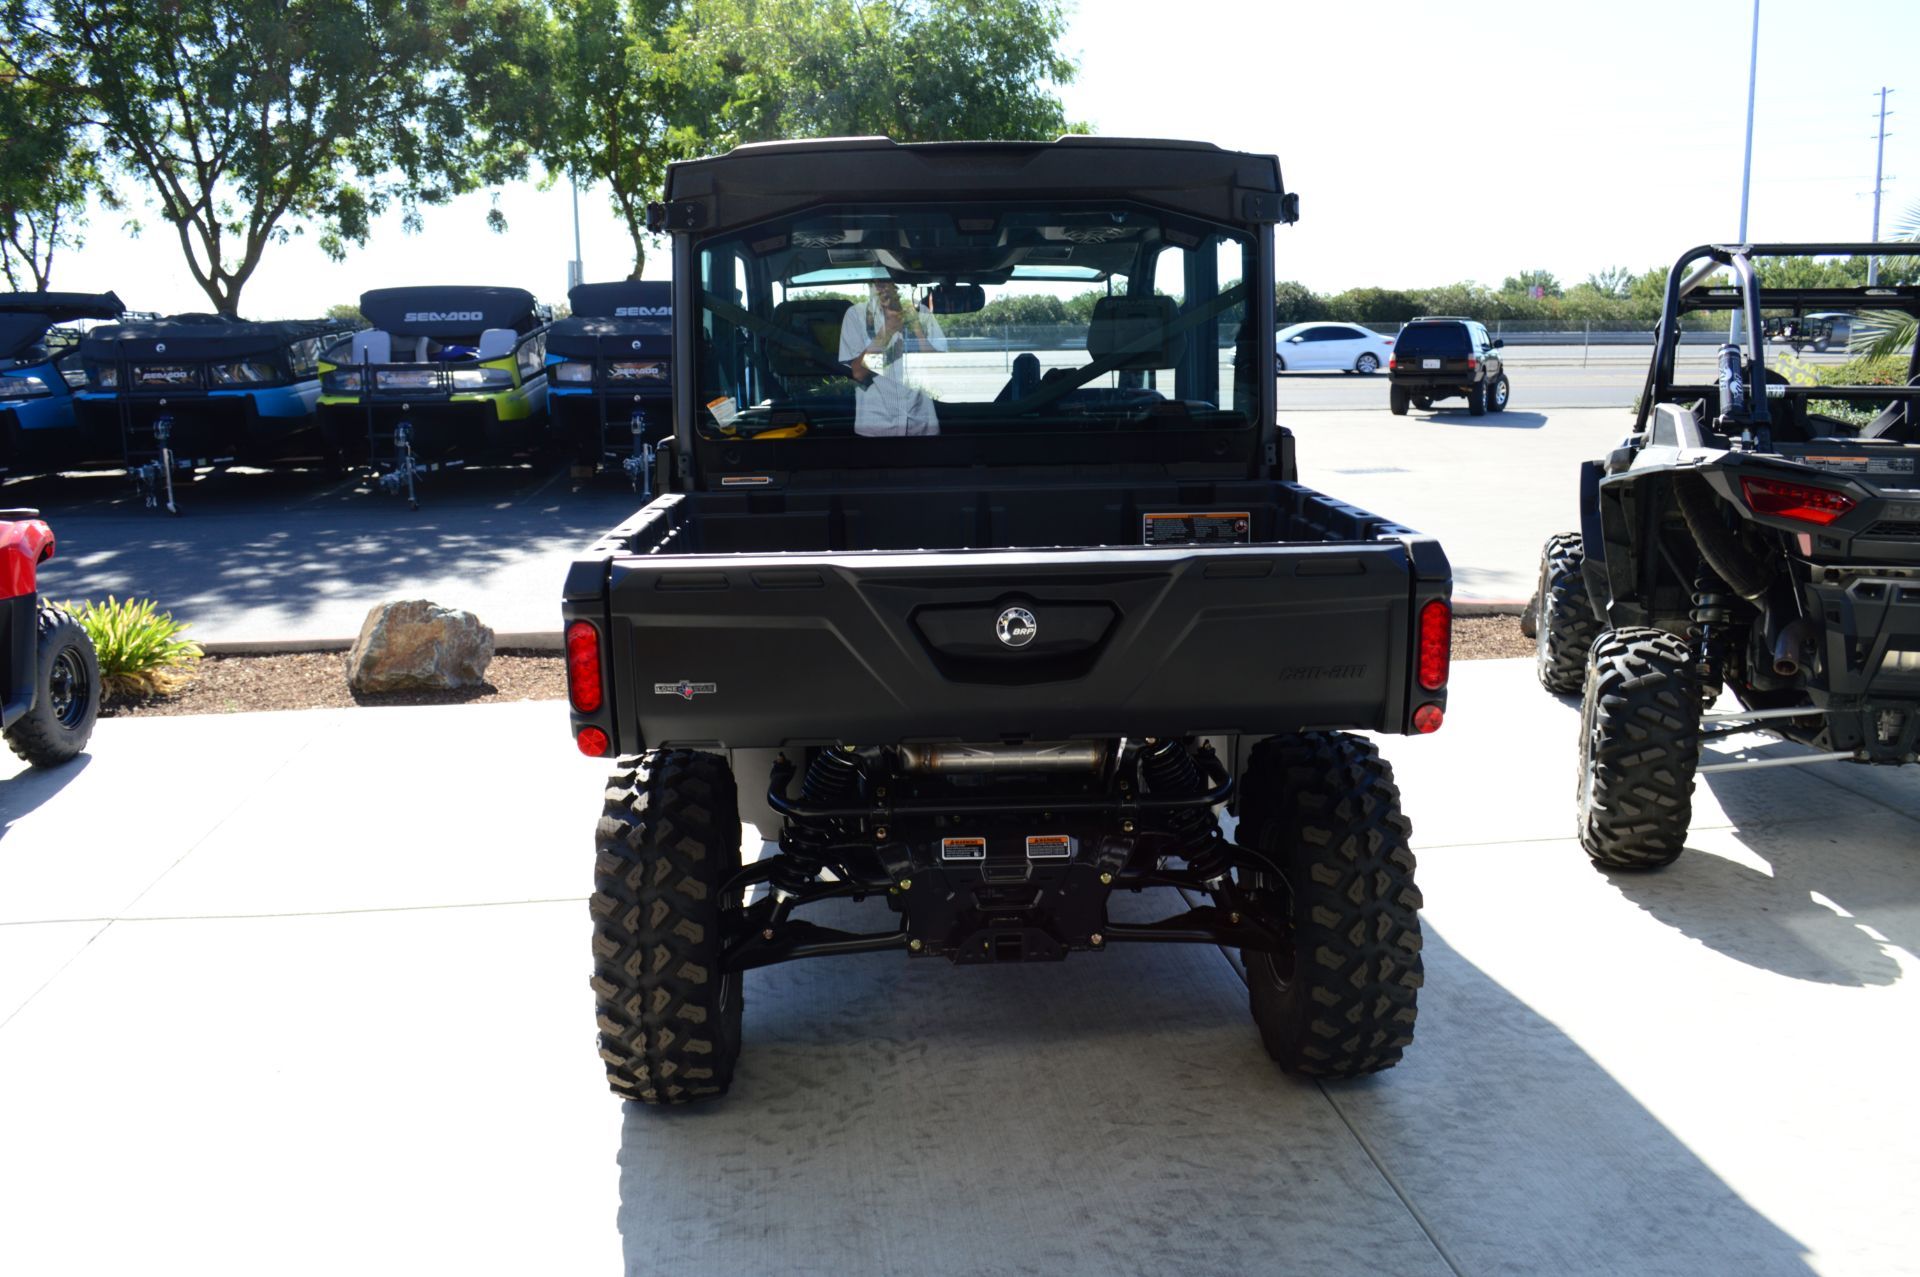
(1800, 501)
(584, 691)
(1436, 644)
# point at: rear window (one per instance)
(1448, 340)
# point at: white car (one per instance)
(1324, 347)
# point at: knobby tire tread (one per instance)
(35, 736)
(1639, 747)
(1325, 805)
(1565, 626)
(667, 841)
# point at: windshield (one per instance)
(958, 319)
(1448, 340)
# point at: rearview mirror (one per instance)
(956, 299)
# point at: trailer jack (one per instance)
(156, 477)
(639, 463)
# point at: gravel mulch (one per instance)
(318, 680)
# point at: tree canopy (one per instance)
(46, 165)
(250, 121)
(636, 84)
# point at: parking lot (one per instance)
(297, 557)
(309, 1005)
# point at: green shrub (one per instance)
(140, 648)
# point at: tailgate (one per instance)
(756, 651)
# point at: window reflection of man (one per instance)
(873, 345)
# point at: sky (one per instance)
(1429, 142)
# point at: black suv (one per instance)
(1439, 356)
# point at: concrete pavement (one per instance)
(311, 997)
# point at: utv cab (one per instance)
(1760, 534)
(446, 376)
(198, 390)
(608, 363)
(39, 371)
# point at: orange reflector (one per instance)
(1428, 718)
(1800, 501)
(593, 742)
(583, 667)
(1436, 644)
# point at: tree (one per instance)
(1524, 284)
(46, 167)
(1891, 332)
(636, 84)
(1614, 281)
(250, 121)
(1295, 303)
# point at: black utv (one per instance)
(1757, 534)
(992, 639)
(1446, 357)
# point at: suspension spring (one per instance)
(834, 779)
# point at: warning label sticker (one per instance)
(963, 849)
(1049, 847)
(1232, 527)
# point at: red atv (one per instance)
(49, 674)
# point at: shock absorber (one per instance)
(834, 778)
(1712, 611)
(1169, 770)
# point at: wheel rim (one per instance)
(1500, 392)
(1368, 363)
(68, 688)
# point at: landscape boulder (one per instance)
(414, 645)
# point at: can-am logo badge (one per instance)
(444, 316)
(684, 690)
(642, 312)
(1016, 627)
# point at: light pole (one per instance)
(1879, 169)
(576, 269)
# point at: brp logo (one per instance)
(637, 345)
(1016, 627)
(159, 347)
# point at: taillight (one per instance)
(592, 742)
(1473, 365)
(1436, 644)
(584, 689)
(1800, 501)
(1392, 362)
(1427, 719)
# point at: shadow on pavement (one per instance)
(31, 787)
(1116, 1113)
(1833, 893)
(295, 541)
(1508, 420)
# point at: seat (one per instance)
(372, 347)
(1026, 376)
(1120, 322)
(495, 343)
(816, 322)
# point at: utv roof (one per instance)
(767, 179)
(25, 317)
(202, 336)
(1728, 296)
(448, 310)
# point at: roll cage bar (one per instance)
(1744, 365)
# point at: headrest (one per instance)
(815, 321)
(495, 343)
(1120, 322)
(372, 347)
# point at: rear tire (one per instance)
(1497, 394)
(1477, 399)
(1564, 623)
(66, 696)
(1639, 746)
(1397, 400)
(668, 841)
(1342, 1000)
